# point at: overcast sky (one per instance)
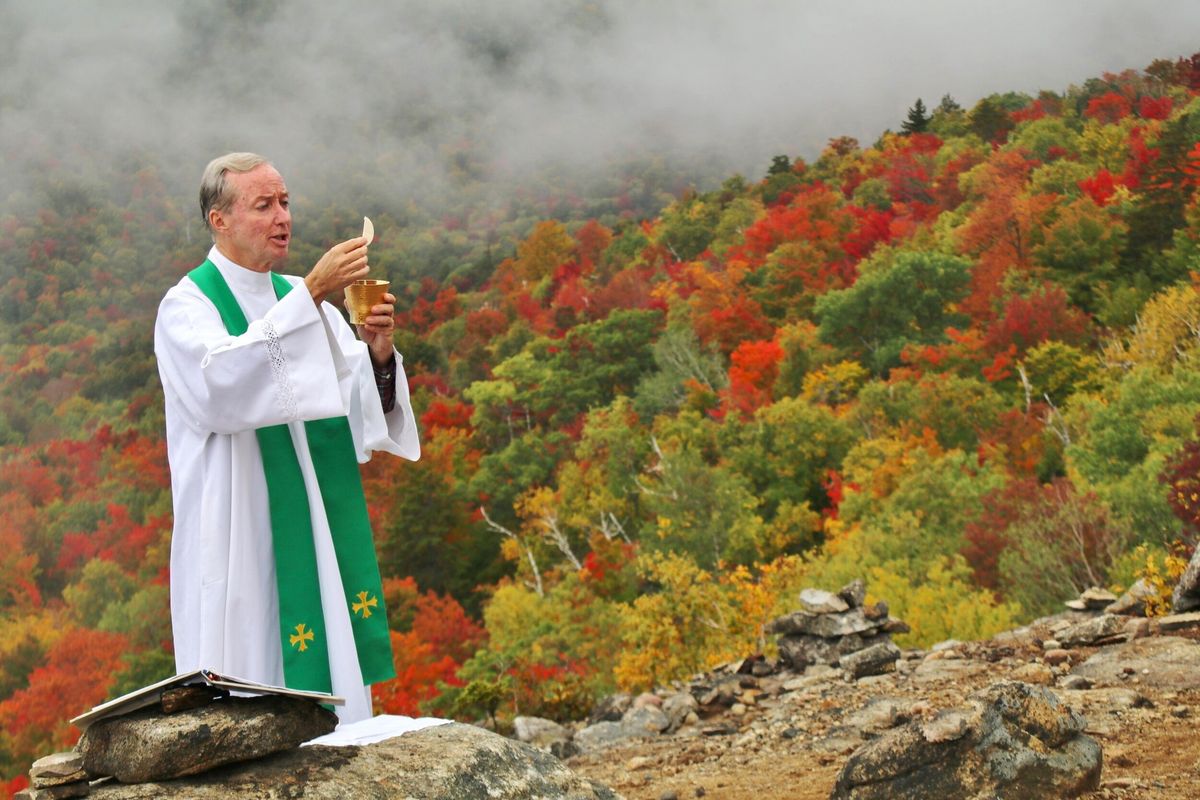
(528, 82)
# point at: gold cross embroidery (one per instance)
(364, 604)
(301, 638)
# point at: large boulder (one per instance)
(444, 762)
(1017, 741)
(1168, 662)
(1186, 596)
(149, 745)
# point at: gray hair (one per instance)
(215, 191)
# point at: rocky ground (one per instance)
(788, 734)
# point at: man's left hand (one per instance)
(378, 330)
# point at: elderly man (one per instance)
(271, 404)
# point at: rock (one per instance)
(183, 698)
(1017, 741)
(1186, 596)
(874, 660)
(1075, 682)
(1076, 605)
(647, 699)
(1138, 628)
(816, 601)
(947, 726)
(1092, 631)
(57, 769)
(1034, 673)
(611, 708)
(1057, 656)
(798, 651)
(1051, 644)
(854, 593)
(762, 669)
(645, 721)
(828, 626)
(879, 611)
(677, 707)
(1095, 598)
(1133, 602)
(880, 715)
(539, 732)
(599, 735)
(147, 745)
(60, 792)
(937, 670)
(948, 644)
(444, 762)
(1171, 662)
(1178, 622)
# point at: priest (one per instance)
(272, 402)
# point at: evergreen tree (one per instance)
(918, 119)
(948, 105)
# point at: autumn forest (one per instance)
(959, 362)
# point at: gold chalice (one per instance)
(361, 296)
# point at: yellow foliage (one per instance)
(548, 246)
(1167, 332)
(945, 605)
(511, 614)
(697, 620)
(793, 527)
(878, 465)
(1161, 571)
(835, 384)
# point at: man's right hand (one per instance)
(342, 265)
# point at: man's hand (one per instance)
(341, 266)
(378, 330)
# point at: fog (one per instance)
(394, 88)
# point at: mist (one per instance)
(395, 90)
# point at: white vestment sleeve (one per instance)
(394, 432)
(282, 369)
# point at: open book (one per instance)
(149, 695)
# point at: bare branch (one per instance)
(1025, 384)
(1054, 421)
(537, 573)
(559, 539)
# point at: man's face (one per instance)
(256, 229)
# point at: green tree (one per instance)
(892, 305)
(917, 120)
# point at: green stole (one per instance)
(301, 620)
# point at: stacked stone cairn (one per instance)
(839, 630)
(1098, 618)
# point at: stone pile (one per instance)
(839, 630)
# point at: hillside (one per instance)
(959, 362)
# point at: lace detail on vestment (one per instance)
(284, 394)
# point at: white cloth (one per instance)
(376, 729)
(294, 363)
